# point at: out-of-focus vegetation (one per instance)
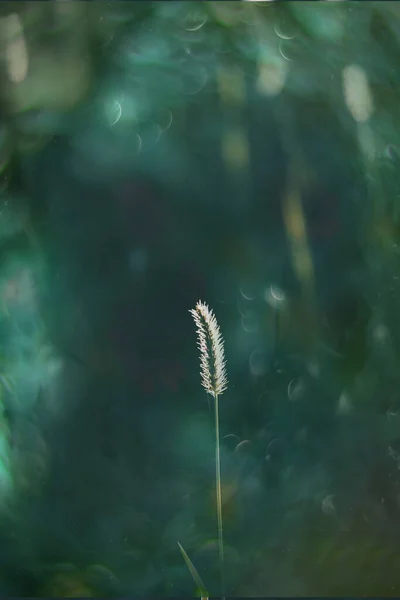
(155, 153)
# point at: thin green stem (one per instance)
(219, 497)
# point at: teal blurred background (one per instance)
(153, 154)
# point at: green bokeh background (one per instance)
(145, 164)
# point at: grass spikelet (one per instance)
(215, 381)
(211, 346)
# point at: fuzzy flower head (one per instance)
(211, 346)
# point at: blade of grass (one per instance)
(193, 572)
